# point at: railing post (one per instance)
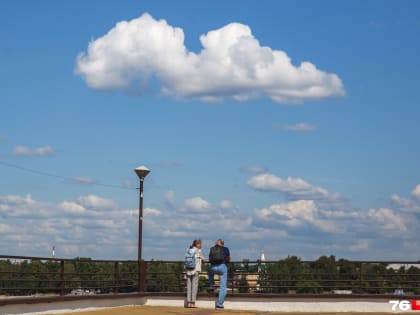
(116, 278)
(233, 278)
(142, 276)
(62, 283)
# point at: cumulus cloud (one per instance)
(197, 204)
(388, 220)
(79, 223)
(90, 205)
(305, 227)
(72, 208)
(26, 151)
(14, 206)
(411, 204)
(292, 213)
(152, 211)
(294, 188)
(144, 54)
(416, 192)
(295, 214)
(95, 202)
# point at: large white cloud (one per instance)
(231, 64)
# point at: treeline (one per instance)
(290, 275)
(27, 277)
(326, 275)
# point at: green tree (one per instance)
(325, 271)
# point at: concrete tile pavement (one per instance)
(172, 310)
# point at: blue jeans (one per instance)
(222, 271)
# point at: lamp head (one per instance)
(142, 171)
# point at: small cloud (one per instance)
(28, 152)
(416, 192)
(197, 204)
(294, 188)
(301, 127)
(170, 198)
(72, 208)
(95, 202)
(225, 204)
(5, 228)
(152, 211)
(360, 245)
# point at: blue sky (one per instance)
(289, 127)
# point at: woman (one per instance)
(193, 275)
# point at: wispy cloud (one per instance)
(168, 165)
(296, 127)
(26, 151)
(232, 64)
(254, 169)
(82, 180)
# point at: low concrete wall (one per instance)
(273, 304)
(55, 307)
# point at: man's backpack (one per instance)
(217, 255)
(189, 260)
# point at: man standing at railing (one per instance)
(219, 256)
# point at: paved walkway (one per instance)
(164, 310)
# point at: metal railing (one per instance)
(25, 276)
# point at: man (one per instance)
(219, 256)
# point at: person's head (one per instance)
(220, 242)
(196, 243)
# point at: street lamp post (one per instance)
(141, 172)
